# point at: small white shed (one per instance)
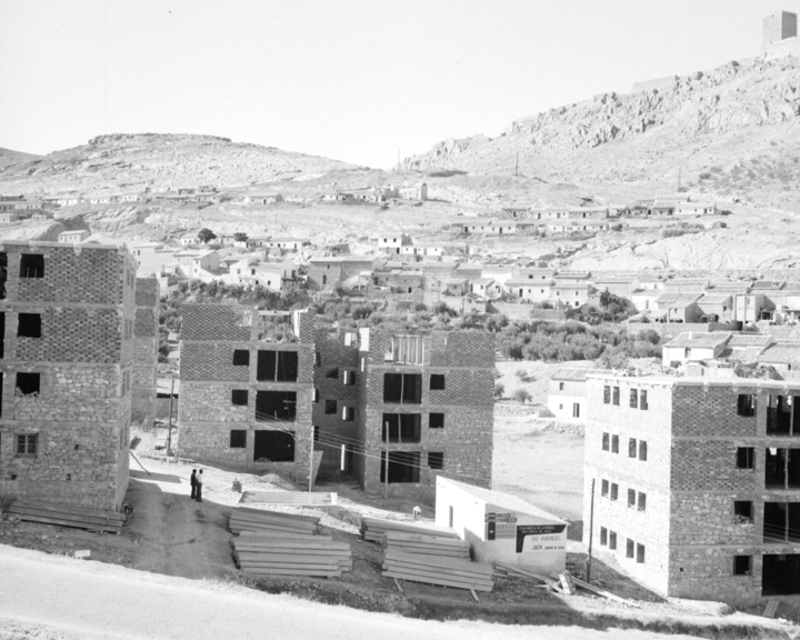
(501, 527)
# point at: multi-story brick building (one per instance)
(145, 350)
(697, 483)
(426, 401)
(246, 385)
(67, 319)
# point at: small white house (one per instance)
(73, 237)
(502, 528)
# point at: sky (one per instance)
(354, 80)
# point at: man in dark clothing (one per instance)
(198, 481)
(193, 482)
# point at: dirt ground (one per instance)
(170, 534)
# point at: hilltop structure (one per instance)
(67, 314)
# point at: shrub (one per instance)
(522, 396)
(524, 376)
(499, 389)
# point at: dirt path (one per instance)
(50, 597)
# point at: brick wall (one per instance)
(212, 322)
(81, 413)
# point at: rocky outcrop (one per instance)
(734, 99)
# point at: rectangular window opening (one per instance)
(746, 405)
(631, 498)
(642, 501)
(634, 400)
(276, 405)
(238, 439)
(239, 397)
(631, 447)
(742, 511)
(603, 536)
(27, 444)
(29, 325)
(642, 450)
(606, 440)
(403, 467)
(277, 366)
(241, 358)
(639, 553)
(614, 491)
(437, 382)
(330, 407)
(402, 388)
(604, 488)
(436, 421)
(401, 427)
(436, 459)
(614, 444)
(643, 400)
(742, 565)
(612, 540)
(28, 384)
(606, 394)
(615, 396)
(745, 457)
(629, 548)
(31, 265)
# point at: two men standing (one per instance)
(197, 484)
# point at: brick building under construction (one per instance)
(357, 397)
(697, 483)
(66, 327)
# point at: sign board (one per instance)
(500, 525)
(540, 537)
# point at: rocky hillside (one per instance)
(131, 162)
(9, 157)
(732, 132)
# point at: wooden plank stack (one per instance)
(373, 529)
(68, 516)
(289, 524)
(275, 543)
(268, 554)
(425, 545)
(293, 498)
(446, 572)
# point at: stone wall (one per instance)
(80, 415)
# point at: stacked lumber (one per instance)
(270, 554)
(373, 529)
(446, 572)
(293, 498)
(68, 516)
(425, 545)
(288, 524)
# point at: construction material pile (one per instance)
(274, 543)
(425, 545)
(443, 571)
(373, 529)
(68, 516)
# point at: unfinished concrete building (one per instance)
(697, 484)
(145, 350)
(246, 385)
(425, 402)
(67, 318)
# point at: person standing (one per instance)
(199, 485)
(193, 482)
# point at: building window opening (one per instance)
(349, 378)
(277, 366)
(606, 439)
(612, 540)
(31, 265)
(743, 511)
(239, 397)
(276, 405)
(639, 553)
(27, 444)
(634, 401)
(604, 488)
(436, 460)
(782, 468)
(614, 491)
(436, 421)
(615, 396)
(348, 414)
(330, 407)
(614, 444)
(29, 325)
(241, 358)
(437, 382)
(332, 373)
(779, 415)
(629, 548)
(28, 384)
(746, 405)
(402, 388)
(606, 394)
(403, 467)
(742, 565)
(745, 457)
(781, 522)
(631, 447)
(643, 450)
(238, 439)
(603, 536)
(631, 498)
(643, 400)
(273, 446)
(642, 501)
(780, 575)
(401, 427)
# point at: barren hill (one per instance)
(134, 161)
(732, 131)
(9, 157)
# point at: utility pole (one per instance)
(311, 460)
(591, 535)
(169, 426)
(386, 463)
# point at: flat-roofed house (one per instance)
(693, 346)
(570, 293)
(74, 237)
(622, 287)
(566, 397)
(695, 208)
(531, 290)
(716, 306)
(331, 271)
(677, 307)
(263, 198)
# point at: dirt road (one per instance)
(44, 596)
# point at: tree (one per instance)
(206, 235)
(240, 236)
